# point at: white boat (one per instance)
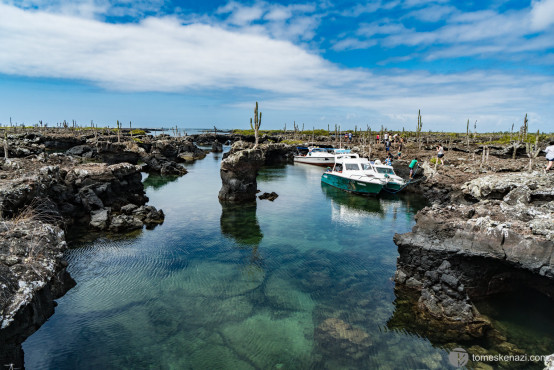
(320, 156)
(354, 174)
(394, 182)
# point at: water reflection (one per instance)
(11, 352)
(156, 181)
(350, 208)
(271, 173)
(239, 222)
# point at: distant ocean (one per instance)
(189, 131)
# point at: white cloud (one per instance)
(292, 22)
(158, 54)
(433, 13)
(542, 14)
(353, 44)
(484, 33)
(93, 8)
(241, 15)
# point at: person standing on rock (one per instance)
(440, 154)
(550, 154)
(412, 166)
(388, 160)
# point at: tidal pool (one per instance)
(301, 282)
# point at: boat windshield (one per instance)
(385, 170)
(366, 167)
(351, 167)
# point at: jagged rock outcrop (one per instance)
(217, 147)
(240, 166)
(238, 175)
(500, 239)
(273, 153)
(159, 153)
(76, 193)
(32, 275)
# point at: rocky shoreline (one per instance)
(54, 182)
(488, 228)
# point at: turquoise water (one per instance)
(223, 287)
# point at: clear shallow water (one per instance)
(239, 287)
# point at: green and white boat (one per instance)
(394, 182)
(354, 174)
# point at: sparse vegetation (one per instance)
(292, 142)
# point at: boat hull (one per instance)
(318, 161)
(393, 186)
(351, 185)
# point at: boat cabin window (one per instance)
(351, 166)
(366, 167)
(385, 170)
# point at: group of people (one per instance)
(388, 141)
(440, 154)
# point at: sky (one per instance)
(162, 63)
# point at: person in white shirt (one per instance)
(440, 154)
(550, 154)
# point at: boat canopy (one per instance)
(385, 169)
(342, 151)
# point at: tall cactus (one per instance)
(467, 134)
(256, 125)
(525, 127)
(533, 152)
(118, 131)
(6, 144)
(419, 126)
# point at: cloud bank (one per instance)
(164, 54)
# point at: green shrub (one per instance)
(292, 142)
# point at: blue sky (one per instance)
(199, 64)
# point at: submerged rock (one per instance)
(283, 295)
(337, 337)
(271, 342)
(213, 279)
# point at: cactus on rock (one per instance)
(256, 125)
